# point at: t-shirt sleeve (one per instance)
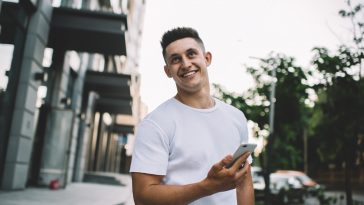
(151, 149)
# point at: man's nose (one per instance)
(186, 62)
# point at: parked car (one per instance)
(286, 189)
(311, 186)
(258, 182)
(286, 186)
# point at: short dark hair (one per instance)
(179, 33)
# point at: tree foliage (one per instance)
(339, 132)
(333, 121)
(290, 108)
(340, 105)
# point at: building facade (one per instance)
(69, 88)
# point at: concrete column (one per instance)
(84, 138)
(59, 124)
(22, 126)
(79, 122)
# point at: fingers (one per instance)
(227, 159)
(220, 165)
(241, 160)
(240, 176)
(225, 179)
(243, 170)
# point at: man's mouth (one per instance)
(189, 73)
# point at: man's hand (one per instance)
(221, 178)
(149, 189)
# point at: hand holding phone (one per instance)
(240, 151)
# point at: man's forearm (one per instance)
(245, 190)
(162, 194)
(246, 196)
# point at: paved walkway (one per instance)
(87, 193)
(75, 194)
(340, 197)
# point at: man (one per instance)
(183, 146)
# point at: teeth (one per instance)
(189, 73)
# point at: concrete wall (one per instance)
(22, 126)
(67, 129)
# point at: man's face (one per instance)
(187, 64)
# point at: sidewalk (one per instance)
(340, 196)
(75, 194)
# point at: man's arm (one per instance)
(149, 189)
(245, 190)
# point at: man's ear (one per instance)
(208, 58)
(166, 70)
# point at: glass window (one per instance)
(34, 2)
(14, 1)
(6, 53)
(47, 57)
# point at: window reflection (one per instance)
(14, 1)
(6, 53)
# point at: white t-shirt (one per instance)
(182, 143)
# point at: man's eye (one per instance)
(174, 60)
(191, 54)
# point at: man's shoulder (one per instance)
(167, 105)
(161, 118)
(162, 112)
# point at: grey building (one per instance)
(69, 88)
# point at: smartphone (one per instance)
(240, 151)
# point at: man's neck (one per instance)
(202, 101)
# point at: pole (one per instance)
(270, 139)
(305, 152)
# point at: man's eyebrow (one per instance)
(192, 49)
(176, 54)
(172, 56)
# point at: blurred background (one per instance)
(76, 77)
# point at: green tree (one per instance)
(338, 132)
(290, 107)
(334, 124)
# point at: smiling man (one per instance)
(183, 146)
